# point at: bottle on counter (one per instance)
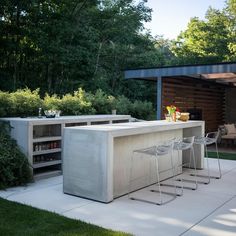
(36, 147)
(40, 113)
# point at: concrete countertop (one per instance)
(65, 119)
(132, 128)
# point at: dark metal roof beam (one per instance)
(180, 71)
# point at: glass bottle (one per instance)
(40, 113)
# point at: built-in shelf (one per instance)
(47, 163)
(47, 151)
(47, 174)
(46, 139)
(76, 124)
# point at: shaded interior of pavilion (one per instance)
(208, 92)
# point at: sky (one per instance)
(169, 17)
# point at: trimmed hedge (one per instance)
(14, 166)
(25, 102)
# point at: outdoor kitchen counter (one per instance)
(96, 159)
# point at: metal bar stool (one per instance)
(155, 152)
(210, 138)
(182, 145)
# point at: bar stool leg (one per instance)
(177, 179)
(208, 170)
(174, 194)
(159, 189)
(218, 160)
(154, 152)
(195, 168)
(180, 179)
(174, 174)
(158, 181)
(130, 174)
(192, 158)
(209, 139)
(208, 166)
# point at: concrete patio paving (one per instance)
(210, 210)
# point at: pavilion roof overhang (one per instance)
(223, 73)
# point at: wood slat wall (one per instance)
(189, 93)
(230, 107)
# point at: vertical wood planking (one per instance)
(188, 93)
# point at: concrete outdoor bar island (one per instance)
(96, 159)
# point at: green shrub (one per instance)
(102, 103)
(138, 109)
(123, 105)
(14, 167)
(51, 102)
(25, 102)
(76, 104)
(142, 110)
(5, 104)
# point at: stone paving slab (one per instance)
(209, 210)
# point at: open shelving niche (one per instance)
(46, 152)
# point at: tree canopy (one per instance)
(210, 40)
(62, 45)
(59, 46)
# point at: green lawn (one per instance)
(18, 219)
(223, 155)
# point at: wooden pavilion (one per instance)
(208, 92)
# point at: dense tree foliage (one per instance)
(210, 40)
(62, 45)
(59, 46)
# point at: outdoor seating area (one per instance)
(227, 134)
(168, 147)
(208, 211)
(189, 192)
(118, 118)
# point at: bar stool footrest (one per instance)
(164, 192)
(187, 180)
(201, 181)
(143, 200)
(206, 176)
(151, 202)
(184, 187)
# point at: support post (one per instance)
(159, 97)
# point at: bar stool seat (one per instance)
(182, 145)
(210, 138)
(155, 152)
